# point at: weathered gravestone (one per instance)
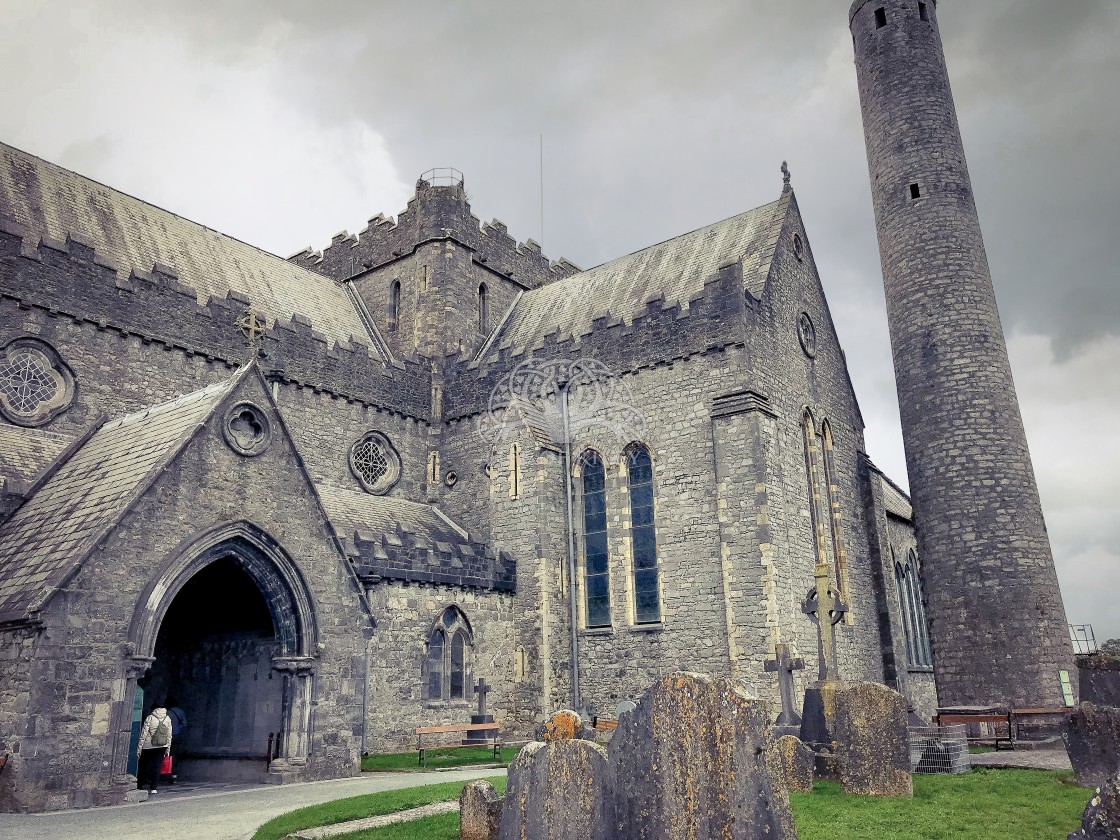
(874, 751)
(480, 811)
(1093, 743)
(1101, 820)
(797, 762)
(557, 791)
(691, 762)
(564, 725)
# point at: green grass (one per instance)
(437, 759)
(359, 807)
(982, 805)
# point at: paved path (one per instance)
(376, 822)
(1024, 759)
(216, 812)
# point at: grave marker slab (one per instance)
(874, 751)
(557, 791)
(797, 763)
(480, 811)
(1093, 743)
(1101, 819)
(691, 761)
(564, 725)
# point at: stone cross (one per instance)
(482, 689)
(827, 608)
(252, 326)
(785, 176)
(785, 665)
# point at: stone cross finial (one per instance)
(785, 176)
(482, 689)
(785, 665)
(827, 608)
(252, 326)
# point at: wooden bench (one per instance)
(603, 724)
(991, 715)
(1040, 714)
(421, 731)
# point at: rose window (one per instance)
(35, 384)
(375, 463)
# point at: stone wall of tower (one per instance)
(997, 621)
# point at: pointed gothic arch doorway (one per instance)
(228, 632)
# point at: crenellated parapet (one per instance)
(437, 212)
(418, 558)
(70, 279)
(657, 334)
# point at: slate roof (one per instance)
(50, 201)
(676, 268)
(43, 542)
(897, 502)
(401, 540)
(25, 453)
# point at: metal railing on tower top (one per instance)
(443, 176)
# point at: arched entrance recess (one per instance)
(228, 630)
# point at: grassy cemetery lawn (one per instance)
(981, 805)
(437, 759)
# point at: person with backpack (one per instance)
(155, 743)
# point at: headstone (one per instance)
(1101, 820)
(480, 811)
(797, 763)
(1099, 679)
(818, 714)
(557, 791)
(823, 602)
(785, 664)
(1093, 743)
(481, 735)
(874, 751)
(564, 725)
(691, 761)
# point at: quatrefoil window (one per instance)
(246, 429)
(375, 463)
(35, 384)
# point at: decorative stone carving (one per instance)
(246, 429)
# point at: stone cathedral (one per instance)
(316, 499)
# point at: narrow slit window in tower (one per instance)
(880, 18)
(923, 12)
(915, 191)
(483, 309)
(395, 304)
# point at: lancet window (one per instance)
(643, 535)
(596, 570)
(447, 664)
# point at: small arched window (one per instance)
(394, 304)
(643, 534)
(483, 309)
(596, 571)
(449, 653)
(435, 665)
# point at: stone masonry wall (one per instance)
(77, 683)
(17, 651)
(997, 618)
(405, 616)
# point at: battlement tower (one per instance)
(997, 622)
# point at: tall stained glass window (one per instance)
(647, 599)
(596, 571)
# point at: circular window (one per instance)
(451, 479)
(35, 384)
(375, 463)
(807, 334)
(798, 248)
(246, 429)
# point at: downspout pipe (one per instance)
(573, 614)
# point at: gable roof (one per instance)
(676, 269)
(46, 538)
(49, 201)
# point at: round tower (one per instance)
(997, 622)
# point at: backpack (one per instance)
(162, 736)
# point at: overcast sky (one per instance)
(284, 122)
